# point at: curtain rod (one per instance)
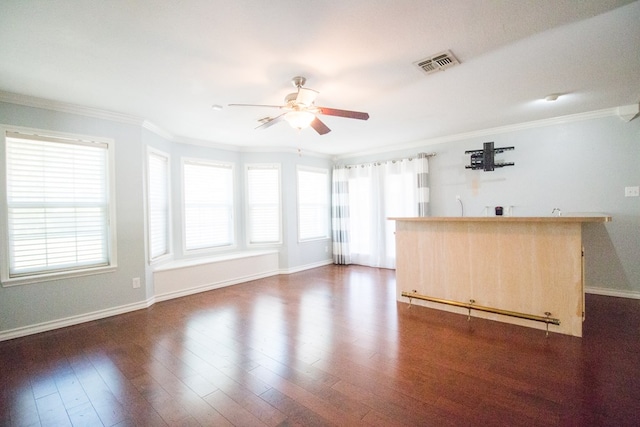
(378, 162)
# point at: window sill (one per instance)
(313, 239)
(28, 280)
(192, 262)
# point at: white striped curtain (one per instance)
(364, 196)
(340, 216)
(422, 174)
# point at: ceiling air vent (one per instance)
(438, 62)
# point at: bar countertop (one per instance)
(556, 219)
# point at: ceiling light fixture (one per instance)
(299, 119)
(552, 97)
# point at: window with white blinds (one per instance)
(208, 205)
(313, 203)
(158, 204)
(57, 202)
(263, 203)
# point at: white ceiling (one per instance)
(169, 61)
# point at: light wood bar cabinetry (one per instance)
(530, 265)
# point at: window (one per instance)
(208, 205)
(313, 203)
(263, 204)
(158, 204)
(57, 201)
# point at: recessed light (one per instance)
(552, 97)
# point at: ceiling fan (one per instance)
(301, 112)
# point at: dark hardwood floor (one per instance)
(328, 346)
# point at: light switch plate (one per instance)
(631, 191)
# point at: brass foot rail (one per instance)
(471, 306)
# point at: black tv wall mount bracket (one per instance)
(485, 159)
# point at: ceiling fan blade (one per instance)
(306, 96)
(319, 126)
(272, 121)
(342, 113)
(255, 105)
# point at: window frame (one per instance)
(233, 224)
(169, 229)
(270, 166)
(111, 234)
(327, 205)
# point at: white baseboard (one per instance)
(613, 293)
(73, 320)
(306, 267)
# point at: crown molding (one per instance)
(570, 118)
(249, 149)
(64, 107)
(292, 150)
(152, 127)
(628, 112)
(206, 144)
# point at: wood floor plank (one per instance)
(307, 399)
(84, 415)
(232, 411)
(254, 404)
(170, 409)
(296, 412)
(43, 385)
(71, 392)
(52, 411)
(104, 401)
(318, 383)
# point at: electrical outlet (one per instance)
(632, 191)
(135, 282)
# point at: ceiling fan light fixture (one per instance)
(301, 111)
(299, 119)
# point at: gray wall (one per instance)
(581, 166)
(30, 304)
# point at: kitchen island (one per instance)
(520, 265)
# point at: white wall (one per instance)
(580, 166)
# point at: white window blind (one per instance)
(57, 204)
(263, 204)
(158, 204)
(313, 203)
(208, 205)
